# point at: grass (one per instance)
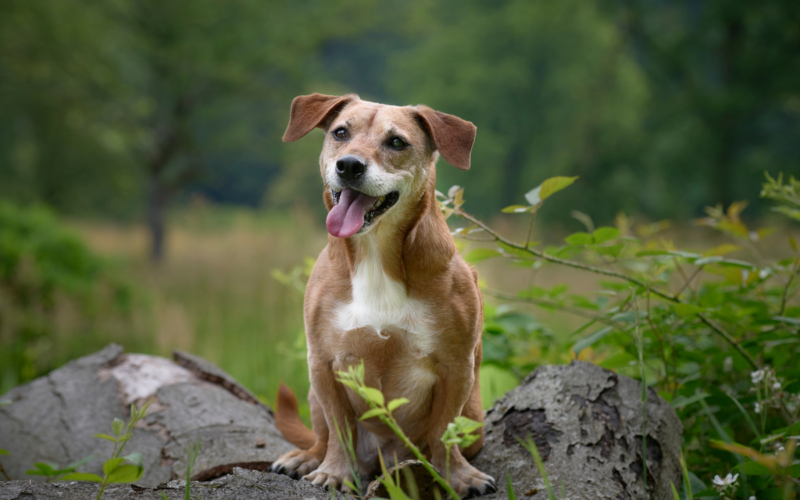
(215, 296)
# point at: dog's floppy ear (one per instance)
(452, 136)
(309, 111)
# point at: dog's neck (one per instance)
(411, 252)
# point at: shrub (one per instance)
(58, 300)
(716, 336)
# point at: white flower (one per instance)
(776, 386)
(727, 481)
(757, 376)
(752, 497)
(758, 408)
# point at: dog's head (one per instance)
(377, 159)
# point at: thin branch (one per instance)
(727, 336)
(570, 263)
(689, 282)
(788, 285)
(536, 253)
(544, 303)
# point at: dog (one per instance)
(390, 289)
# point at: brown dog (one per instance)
(391, 289)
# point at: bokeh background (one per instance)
(146, 197)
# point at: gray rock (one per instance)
(53, 418)
(240, 485)
(587, 425)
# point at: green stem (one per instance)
(570, 263)
(395, 427)
(4, 472)
(788, 285)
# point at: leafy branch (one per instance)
(517, 249)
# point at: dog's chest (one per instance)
(382, 303)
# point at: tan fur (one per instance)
(435, 360)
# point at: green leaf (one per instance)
(628, 316)
(612, 250)
(135, 458)
(43, 469)
(372, 395)
(708, 260)
(547, 189)
(117, 426)
(372, 413)
(674, 253)
(509, 487)
(591, 339)
(603, 234)
(105, 436)
(480, 254)
(686, 310)
(786, 319)
(465, 425)
(4, 452)
(127, 473)
(396, 403)
(681, 401)
(675, 495)
(579, 238)
(517, 209)
(83, 476)
(111, 464)
(752, 468)
(793, 243)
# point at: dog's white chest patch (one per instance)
(382, 303)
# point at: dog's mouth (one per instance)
(354, 210)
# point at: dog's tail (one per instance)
(287, 420)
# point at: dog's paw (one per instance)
(295, 464)
(469, 482)
(329, 476)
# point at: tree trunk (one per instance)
(156, 204)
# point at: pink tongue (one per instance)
(347, 216)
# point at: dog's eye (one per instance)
(397, 143)
(340, 133)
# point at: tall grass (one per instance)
(214, 294)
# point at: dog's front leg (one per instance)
(450, 394)
(338, 412)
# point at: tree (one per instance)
(725, 79)
(549, 84)
(216, 75)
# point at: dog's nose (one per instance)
(350, 167)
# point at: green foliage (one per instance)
(788, 194)
(191, 456)
(117, 469)
(716, 336)
(51, 288)
(354, 379)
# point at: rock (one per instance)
(53, 418)
(585, 421)
(241, 484)
(587, 425)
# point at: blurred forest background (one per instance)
(149, 130)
